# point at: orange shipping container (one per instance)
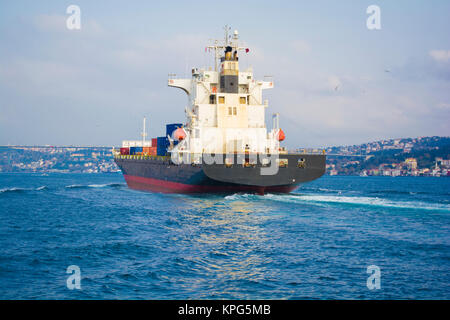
(151, 151)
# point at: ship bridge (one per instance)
(226, 111)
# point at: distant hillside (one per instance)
(421, 156)
(427, 152)
(56, 159)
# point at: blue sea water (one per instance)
(313, 244)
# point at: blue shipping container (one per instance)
(171, 127)
(134, 150)
(163, 144)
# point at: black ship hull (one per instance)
(160, 174)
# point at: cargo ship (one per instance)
(223, 146)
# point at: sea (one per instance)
(87, 236)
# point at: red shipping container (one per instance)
(124, 151)
(154, 142)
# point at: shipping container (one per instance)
(163, 144)
(124, 151)
(135, 150)
(151, 151)
(154, 142)
(136, 143)
(171, 127)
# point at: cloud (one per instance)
(334, 82)
(379, 113)
(93, 76)
(56, 23)
(443, 106)
(440, 55)
(301, 46)
(53, 23)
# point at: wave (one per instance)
(400, 192)
(14, 189)
(362, 201)
(19, 190)
(73, 186)
(321, 189)
(88, 186)
(343, 200)
(374, 192)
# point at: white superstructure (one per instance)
(226, 111)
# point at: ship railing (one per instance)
(141, 157)
(155, 157)
(173, 76)
(167, 158)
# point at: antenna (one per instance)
(216, 56)
(227, 28)
(276, 121)
(218, 45)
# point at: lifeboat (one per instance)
(280, 135)
(179, 134)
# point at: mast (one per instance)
(226, 34)
(218, 48)
(144, 134)
(276, 121)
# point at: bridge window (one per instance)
(212, 99)
(232, 111)
(222, 100)
(243, 100)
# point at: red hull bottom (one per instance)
(156, 185)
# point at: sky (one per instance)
(336, 81)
